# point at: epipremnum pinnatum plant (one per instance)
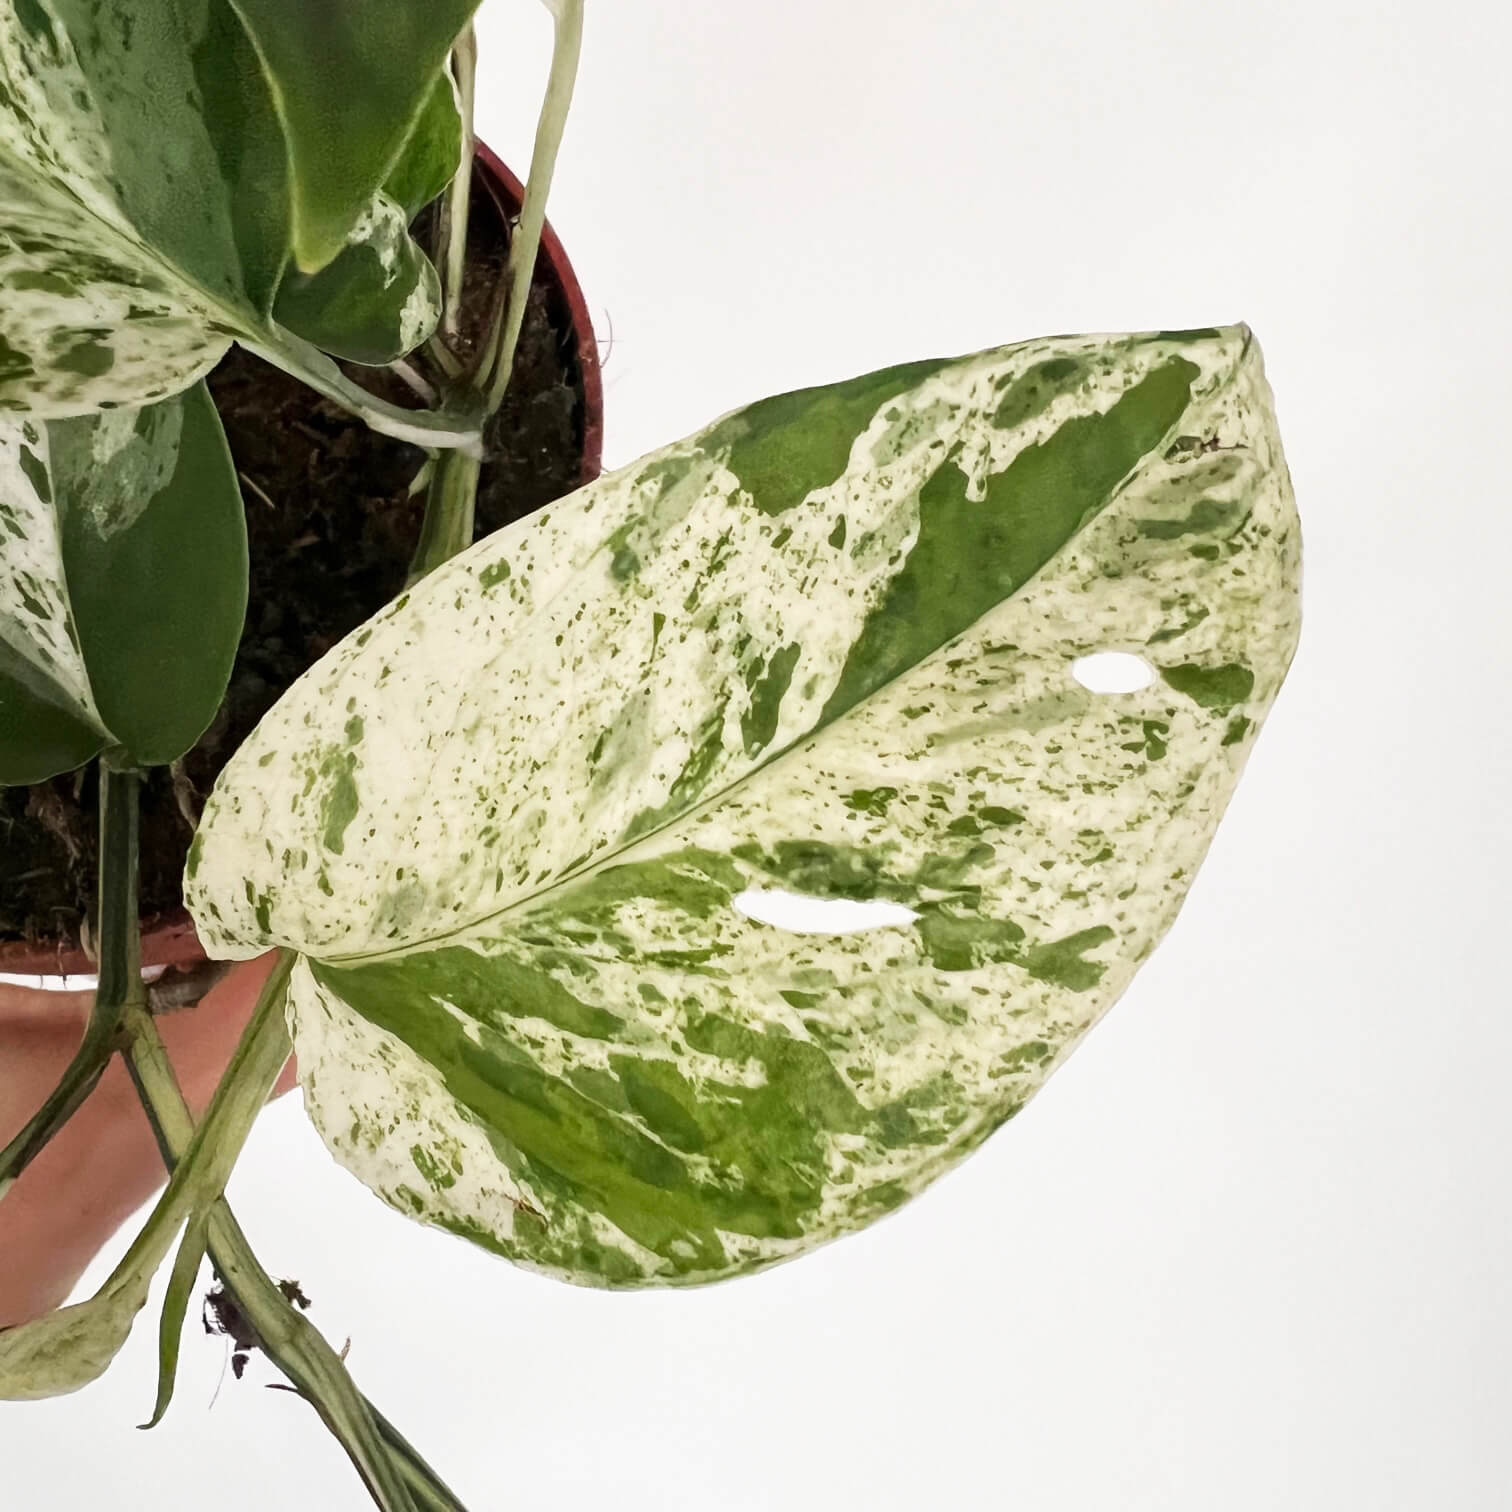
(512, 835)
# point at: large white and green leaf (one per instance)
(156, 180)
(123, 582)
(520, 825)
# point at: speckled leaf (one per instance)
(65, 1350)
(378, 299)
(824, 646)
(118, 256)
(159, 161)
(123, 581)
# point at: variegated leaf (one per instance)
(123, 581)
(160, 162)
(378, 299)
(519, 824)
(118, 258)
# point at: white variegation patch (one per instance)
(36, 617)
(131, 457)
(509, 818)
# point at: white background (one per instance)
(1250, 1249)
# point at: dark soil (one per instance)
(331, 527)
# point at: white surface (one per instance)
(1249, 1249)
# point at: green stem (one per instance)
(435, 430)
(498, 350)
(451, 251)
(120, 979)
(450, 501)
(397, 1478)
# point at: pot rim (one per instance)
(169, 939)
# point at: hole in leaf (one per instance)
(800, 914)
(1113, 672)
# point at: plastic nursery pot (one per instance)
(168, 937)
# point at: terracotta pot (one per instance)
(169, 940)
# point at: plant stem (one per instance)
(120, 979)
(451, 249)
(396, 1476)
(450, 501)
(498, 350)
(435, 430)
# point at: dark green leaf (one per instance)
(432, 153)
(122, 584)
(39, 737)
(350, 80)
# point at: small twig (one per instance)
(412, 379)
(256, 488)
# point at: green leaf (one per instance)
(350, 81)
(514, 824)
(123, 583)
(377, 300)
(181, 1281)
(433, 152)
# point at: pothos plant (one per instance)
(511, 838)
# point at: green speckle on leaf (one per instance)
(36, 473)
(872, 801)
(14, 363)
(1212, 687)
(783, 448)
(339, 806)
(1205, 515)
(963, 942)
(1033, 392)
(1062, 961)
(89, 358)
(768, 683)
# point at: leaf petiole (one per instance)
(120, 979)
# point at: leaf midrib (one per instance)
(626, 852)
